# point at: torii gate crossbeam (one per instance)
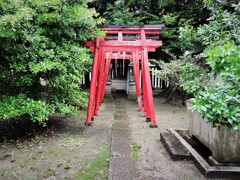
(136, 50)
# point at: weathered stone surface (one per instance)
(120, 111)
(121, 165)
(122, 168)
(118, 85)
(215, 172)
(224, 143)
(121, 134)
(120, 125)
(174, 147)
(121, 147)
(120, 117)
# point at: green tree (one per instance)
(173, 14)
(40, 40)
(219, 100)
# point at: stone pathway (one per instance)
(154, 163)
(121, 165)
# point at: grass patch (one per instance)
(115, 154)
(96, 169)
(135, 147)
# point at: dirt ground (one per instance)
(155, 162)
(66, 149)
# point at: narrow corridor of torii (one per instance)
(128, 43)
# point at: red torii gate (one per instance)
(127, 42)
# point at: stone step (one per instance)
(175, 148)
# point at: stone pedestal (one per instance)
(108, 87)
(132, 91)
(118, 85)
(224, 143)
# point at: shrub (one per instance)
(219, 102)
(217, 99)
(21, 106)
(40, 39)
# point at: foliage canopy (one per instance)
(172, 13)
(219, 100)
(40, 39)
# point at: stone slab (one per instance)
(119, 106)
(121, 117)
(217, 172)
(120, 125)
(122, 147)
(174, 147)
(224, 142)
(122, 168)
(121, 134)
(120, 111)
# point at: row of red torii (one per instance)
(128, 43)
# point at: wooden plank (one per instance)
(132, 29)
(132, 32)
(132, 44)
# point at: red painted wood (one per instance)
(132, 29)
(92, 92)
(137, 79)
(104, 74)
(108, 63)
(133, 32)
(120, 48)
(150, 104)
(125, 44)
(100, 81)
(145, 97)
(128, 49)
(131, 44)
